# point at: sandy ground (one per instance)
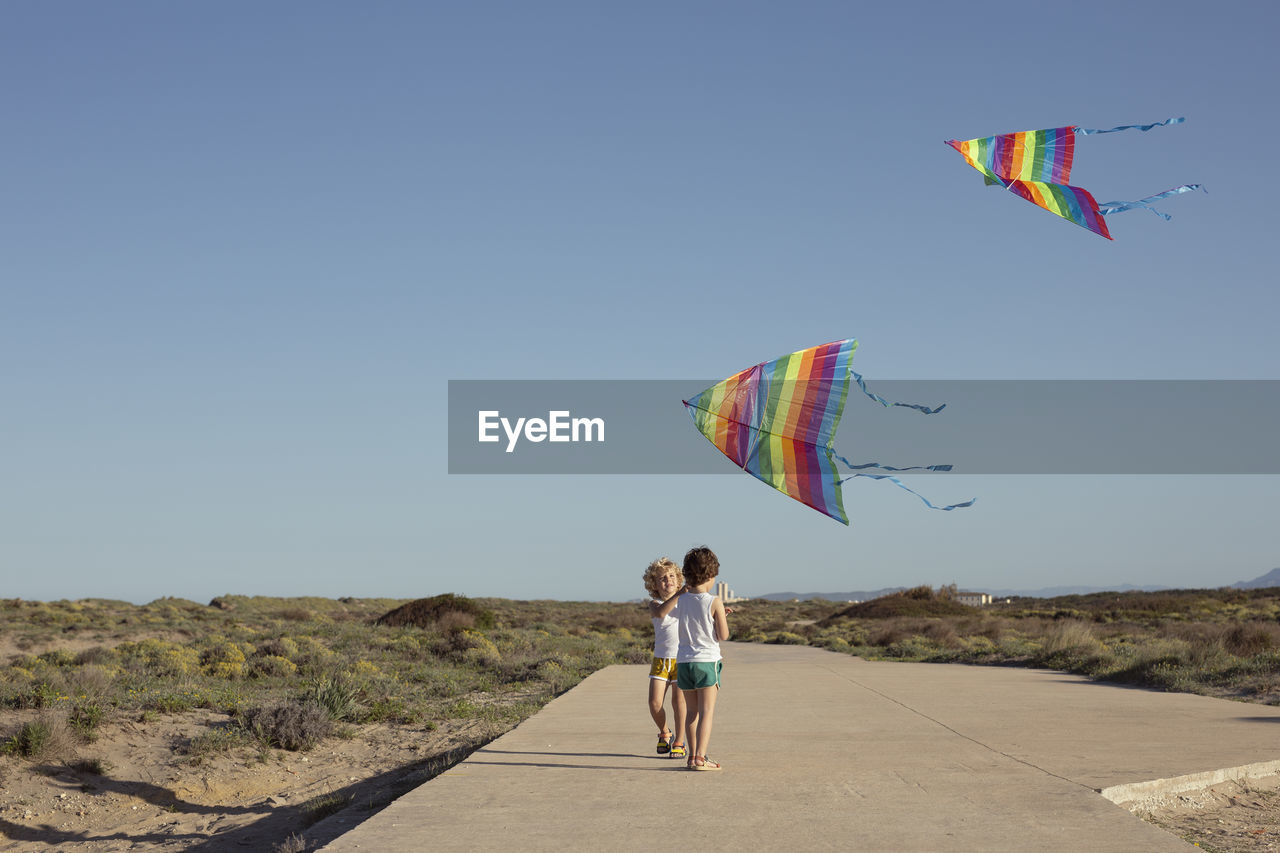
(152, 797)
(1226, 818)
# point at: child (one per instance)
(703, 626)
(663, 580)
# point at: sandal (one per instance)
(677, 750)
(701, 762)
(664, 741)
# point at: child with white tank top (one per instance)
(663, 579)
(703, 626)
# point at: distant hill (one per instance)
(1055, 591)
(1044, 592)
(1270, 579)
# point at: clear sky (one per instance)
(245, 246)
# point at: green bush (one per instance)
(84, 719)
(337, 695)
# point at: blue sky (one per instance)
(247, 245)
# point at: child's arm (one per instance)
(721, 619)
(667, 606)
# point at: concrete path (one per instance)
(823, 751)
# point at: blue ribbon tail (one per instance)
(1086, 131)
(900, 485)
(1145, 203)
(866, 465)
(882, 401)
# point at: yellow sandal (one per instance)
(664, 741)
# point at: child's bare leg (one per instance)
(657, 691)
(706, 714)
(691, 722)
(679, 711)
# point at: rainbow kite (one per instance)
(777, 420)
(1036, 164)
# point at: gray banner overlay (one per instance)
(987, 427)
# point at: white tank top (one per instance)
(666, 637)
(697, 629)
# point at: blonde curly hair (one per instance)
(657, 569)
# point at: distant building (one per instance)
(726, 595)
(974, 599)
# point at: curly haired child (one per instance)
(703, 625)
(662, 580)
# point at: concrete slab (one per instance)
(828, 752)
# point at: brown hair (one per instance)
(657, 569)
(700, 565)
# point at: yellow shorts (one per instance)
(663, 669)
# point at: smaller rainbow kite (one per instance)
(777, 420)
(1036, 164)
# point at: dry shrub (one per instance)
(1242, 639)
(633, 619)
(1250, 638)
(295, 614)
(1195, 632)
(98, 655)
(891, 633)
(289, 725)
(92, 682)
(46, 737)
(1070, 636)
(637, 655)
(939, 632)
(293, 844)
(455, 621)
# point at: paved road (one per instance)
(828, 752)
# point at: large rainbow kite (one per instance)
(777, 420)
(1036, 164)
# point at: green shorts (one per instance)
(699, 674)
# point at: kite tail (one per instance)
(1086, 131)
(865, 465)
(900, 485)
(898, 482)
(1145, 203)
(882, 401)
